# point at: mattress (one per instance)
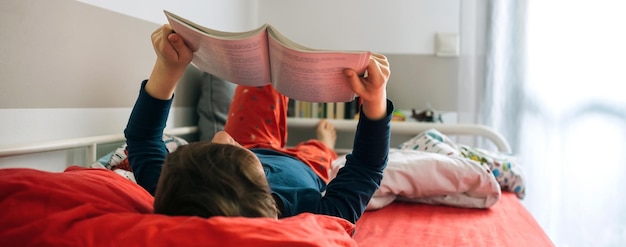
(507, 223)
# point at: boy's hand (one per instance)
(372, 89)
(173, 57)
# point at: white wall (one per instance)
(398, 26)
(69, 70)
(231, 15)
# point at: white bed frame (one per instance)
(414, 128)
(90, 144)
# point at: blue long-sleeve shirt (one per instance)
(293, 182)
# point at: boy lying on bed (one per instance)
(246, 170)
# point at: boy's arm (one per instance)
(144, 132)
(144, 138)
(348, 194)
(350, 191)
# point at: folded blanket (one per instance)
(504, 166)
(430, 168)
(423, 177)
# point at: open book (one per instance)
(263, 56)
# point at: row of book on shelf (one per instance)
(329, 110)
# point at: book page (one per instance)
(312, 75)
(241, 58)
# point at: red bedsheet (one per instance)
(507, 223)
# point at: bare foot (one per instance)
(326, 133)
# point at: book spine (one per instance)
(298, 109)
(330, 110)
(314, 110)
(291, 108)
(340, 110)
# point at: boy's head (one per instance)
(213, 179)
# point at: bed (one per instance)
(85, 206)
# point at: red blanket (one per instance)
(97, 207)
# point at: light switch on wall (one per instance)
(447, 44)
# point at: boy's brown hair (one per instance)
(210, 179)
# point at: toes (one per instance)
(323, 124)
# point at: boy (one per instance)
(246, 170)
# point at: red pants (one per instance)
(257, 118)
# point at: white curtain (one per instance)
(555, 86)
